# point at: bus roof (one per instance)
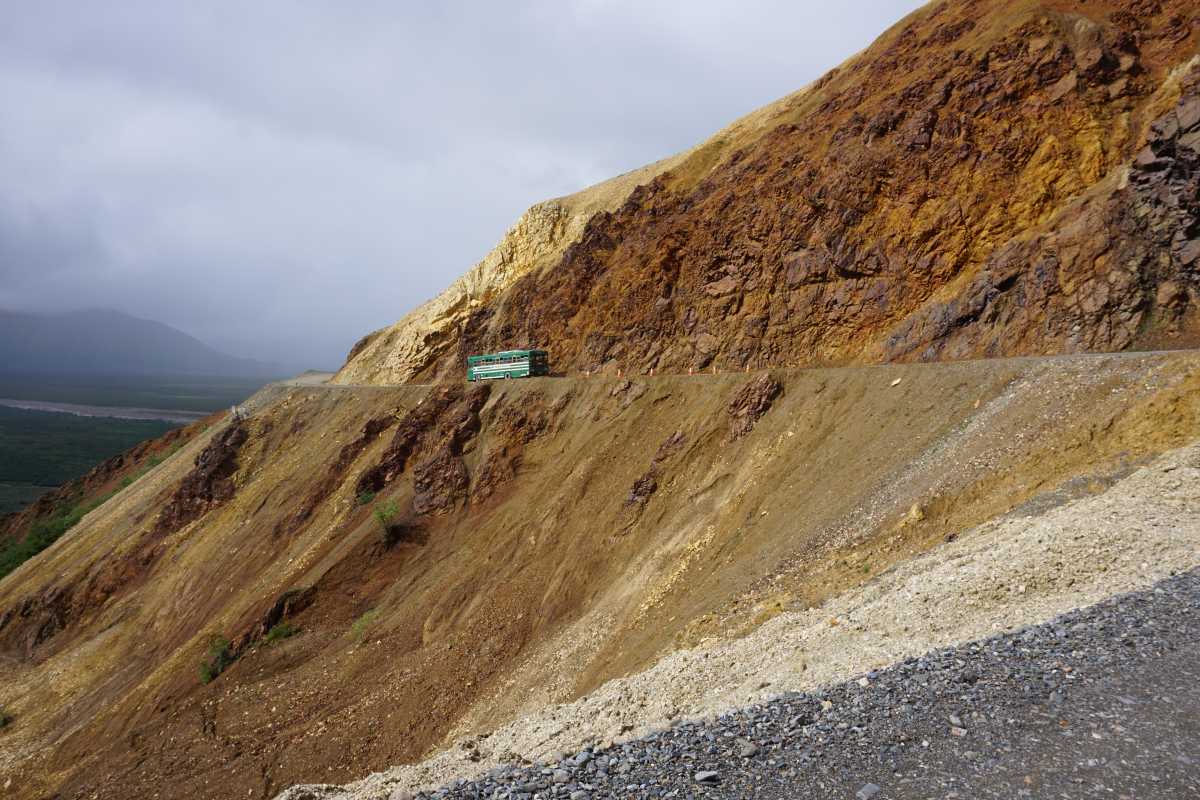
(506, 353)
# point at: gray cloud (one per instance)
(278, 178)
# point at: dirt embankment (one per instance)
(520, 558)
(1021, 569)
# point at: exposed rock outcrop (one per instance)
(642, 488)
(209, 484)
(35, 619)
(647, 484)
(397, 354)
(1117, 265)
(336, 473)
(513, 427)
(895, 210)
(417, 424)
(424, 344)
(439, 428)
(440, 482)
(287, 605)
(750, 403)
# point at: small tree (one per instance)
(362, 623)
(219, 657)
(280, 631)
(385, 512)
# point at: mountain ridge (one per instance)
(106, 341)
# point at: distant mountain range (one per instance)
(102, 341)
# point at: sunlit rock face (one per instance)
(986, 179)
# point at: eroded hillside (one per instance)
(362, 573)
(989, 178)
(544, 537)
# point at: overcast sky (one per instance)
(278, 178)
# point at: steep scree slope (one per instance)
(989, 178)
(526, 559)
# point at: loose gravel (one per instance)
(1099, 702)
(1001, 576)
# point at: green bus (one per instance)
(508, 364)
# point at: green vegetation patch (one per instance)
(150, 464)
(45, 532)
(216, 660)
(280, 631)
(362, 623)
(48, 448)
(386, 511)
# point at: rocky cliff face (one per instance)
(413, 346)
(990, 178)
(396, 354)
